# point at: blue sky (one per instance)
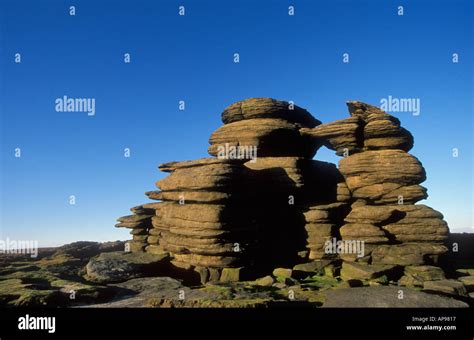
(190, 58)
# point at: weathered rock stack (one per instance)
(384, 182)
(198, 220)
(298, 202)
(262, 202)
(237, 210)
(140, 224)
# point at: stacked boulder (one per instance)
(262, 202)
(325, 201)
(299, 201)
(199, 219)
(235, 213)
(272, 126)
(140, 224)
(384, 182)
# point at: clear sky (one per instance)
(191, 58)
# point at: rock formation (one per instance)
(262, 202)
(140, 225)
(384, 182)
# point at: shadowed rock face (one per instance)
(240, 214)
(272, 137)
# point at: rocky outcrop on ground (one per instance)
(90, 274)
(261, 223)
(384, 182)
(262, 202)
(387, 297)
(140, 224)
(54, 278)
(119, 266)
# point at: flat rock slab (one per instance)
(360, 271)
(468, 282)
(136, 292)
(450, 287)
(387, 297)
(122, 266)
(168, 292)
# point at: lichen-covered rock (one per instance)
(266, 281)
(449, 287)
(408, 253)
(217, 261)
(231, 274)
(359, 271)
(304, 270)
(468, 282)
(417, 275)
(282, 272)
(120, 266)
